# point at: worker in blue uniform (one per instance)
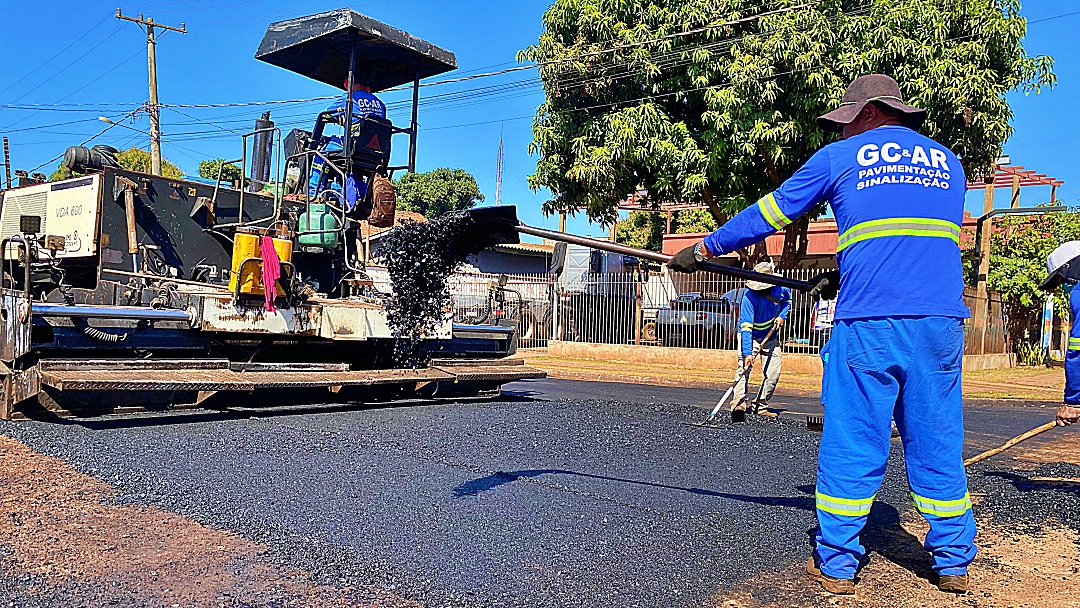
(763, 308)
(1063, 269)
(364, 104)
(898, 338)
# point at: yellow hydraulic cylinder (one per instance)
(245, 246)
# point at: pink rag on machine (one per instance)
(271, 271)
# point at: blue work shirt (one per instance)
(1072, 354)
(898, 198)
(758, 312)
(364, 104)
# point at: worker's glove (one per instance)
(1068, 414)
(686, 260)
(825, 285)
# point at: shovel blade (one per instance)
(490, 226)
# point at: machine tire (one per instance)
(564, 325)
(528, 328)
(648, 332)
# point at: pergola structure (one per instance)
(636, 202)
(1014, 177)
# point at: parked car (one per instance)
(695, 320)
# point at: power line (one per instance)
(59, 124)
(61, 70)
(60, 52)
(1051, 18)
(114, 123)
(113, 69)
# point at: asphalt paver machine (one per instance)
(124, 291)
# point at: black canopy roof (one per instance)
(318, 47)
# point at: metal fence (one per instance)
(691, 311)
(658, 309)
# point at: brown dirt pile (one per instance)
(1011, 571)
(57, 528)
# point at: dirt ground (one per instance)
(1037, 384)
(69, 546)
(1011, 571)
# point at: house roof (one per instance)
(527, 248)
(400, 216)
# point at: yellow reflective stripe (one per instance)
(900, 226)
(942, 508)
(758, 325)
(1074, 343)
(848, 507)
(771, 212)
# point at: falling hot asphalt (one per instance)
(516, 502)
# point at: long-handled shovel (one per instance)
(735, 416)
(1010, 443)
(499, 226)
(819, 423)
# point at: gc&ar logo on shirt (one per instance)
(903, 166)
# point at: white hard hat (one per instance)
(765, 267)
(1058, 262)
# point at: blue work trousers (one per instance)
(907, 369)
(1072, 372)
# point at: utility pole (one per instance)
(151, 59)
(498, 170)
(7, 163)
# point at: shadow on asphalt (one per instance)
(883, 533)
(499, 478)
(177, 417)
(1025, 484)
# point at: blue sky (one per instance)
(213, 64)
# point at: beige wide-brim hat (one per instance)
(871, 88)
(763, 268)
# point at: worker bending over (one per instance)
(763, 308)
(898, 337)
(1063, 268)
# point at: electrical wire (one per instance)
(93, 137)
(113, 69)
(622, 69)
(73, 62)
(60, 52)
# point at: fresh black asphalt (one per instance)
(560, 494)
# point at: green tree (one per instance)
(437, 192)
(1018, 251)
(692, 220)
(642, 229)
(61, 173)
(137, 159)
(645, 229)
(694, 103)
(208, 169)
